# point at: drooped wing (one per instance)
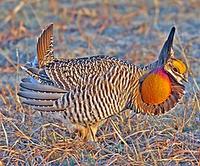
(68, 74)
(90, 103)
(62, 77)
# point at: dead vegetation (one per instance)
(130, 30)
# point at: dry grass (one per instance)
(130, 30)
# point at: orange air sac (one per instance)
(156, 87)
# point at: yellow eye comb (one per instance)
(180, 65)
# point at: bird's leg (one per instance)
(93, 130)
(88, 133)
(82, 131)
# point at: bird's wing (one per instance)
(68, 74)
(82, 105)
(62, 78)
(94, 101)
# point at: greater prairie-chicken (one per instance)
(92, 89)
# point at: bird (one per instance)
(89, 90)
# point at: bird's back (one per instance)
(68, 74)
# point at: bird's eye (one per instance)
(179, 65)
(175, 70)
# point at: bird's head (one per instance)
(177, 69)
(161, 88)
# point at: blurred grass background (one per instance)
(131, 30)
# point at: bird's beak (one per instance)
(165, 53)
(185, 79)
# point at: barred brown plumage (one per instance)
(90, 90)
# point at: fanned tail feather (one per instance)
(45, 47)
(38, 90)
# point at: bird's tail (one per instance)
(45, 47)
(38, 95)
